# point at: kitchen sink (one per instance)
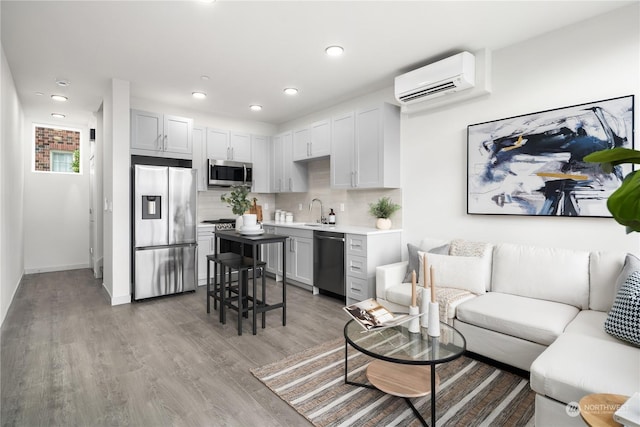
(314, 224)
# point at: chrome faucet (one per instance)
(322, 220)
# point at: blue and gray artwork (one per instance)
(533, 164)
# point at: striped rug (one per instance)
(471, 393)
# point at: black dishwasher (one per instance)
(328, 262)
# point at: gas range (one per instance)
(222, 224)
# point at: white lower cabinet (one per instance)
(298, 252)
(363, 254)
(206, 246)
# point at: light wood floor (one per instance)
(70, 359)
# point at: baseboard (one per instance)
(56, 268)
(13, 295)
(123, 299)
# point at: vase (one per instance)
(383, 223)
(239, 222)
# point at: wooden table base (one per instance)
(401, 380)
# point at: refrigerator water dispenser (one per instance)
(151, 207)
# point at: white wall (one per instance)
(12, 189)
(594, 60)
(116, 188)
(56, 209)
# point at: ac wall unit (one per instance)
(452, 74)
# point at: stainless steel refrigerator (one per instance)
(164, 230)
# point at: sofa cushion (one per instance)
(458, 272)
(590, 322)
(604, 272)
(551, 274)
(414, 258)
(534, 320)
(623, 320)
(578, 364)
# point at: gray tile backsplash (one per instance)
(356, 202)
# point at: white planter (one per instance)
(239, 222)
(383, 223)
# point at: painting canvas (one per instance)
(533, 164)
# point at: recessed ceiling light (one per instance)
(58, 115)
(334, 50)
(60, 98)
(291, 91)
(39, 93)
(63, 82)
(255, 107)
(204, 77)
(199, 95)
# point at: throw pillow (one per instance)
(414, 261)
(631, 264)
(459, 272)
(623, 321)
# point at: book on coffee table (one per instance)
(370, 314)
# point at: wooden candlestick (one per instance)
(413, 288)
(425, 281)
(433, 285)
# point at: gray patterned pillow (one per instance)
(623, 321)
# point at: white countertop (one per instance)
(339, 228)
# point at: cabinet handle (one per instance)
(165, 143)
(232, 153)
(355, 267)
(290, 184)
(308, 149)
(159, 142)
(291, 244)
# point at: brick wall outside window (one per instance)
(48, 140)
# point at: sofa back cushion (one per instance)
(604, 271)
(551, 274)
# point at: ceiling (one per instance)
(250, 50)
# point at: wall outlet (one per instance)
(299, 206)
(266, 206)
(341, 207)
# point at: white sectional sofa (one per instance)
(543, 311)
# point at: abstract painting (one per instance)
(533, 164)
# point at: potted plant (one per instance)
(237, 201)
(382, 210)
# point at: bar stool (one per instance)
(215, 293)
(227, 294)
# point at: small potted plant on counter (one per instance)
(238, 202)
(382, 210)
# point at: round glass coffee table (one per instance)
(405, 364)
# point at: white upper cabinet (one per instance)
(261, 150)
(365, 150)
(199, 157)
(312, 142)
(301, 143)
(288, 176)
(154, 134)
(228, 145)
(240, 144)
(217, 144)
(343, 135)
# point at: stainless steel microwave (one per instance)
(225, 173)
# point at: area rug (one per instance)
(471, 393)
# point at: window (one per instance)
(61, 161)
(56, 149)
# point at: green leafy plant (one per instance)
(237, 200)
(75, 164)
(624, 203)
(383, 208)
